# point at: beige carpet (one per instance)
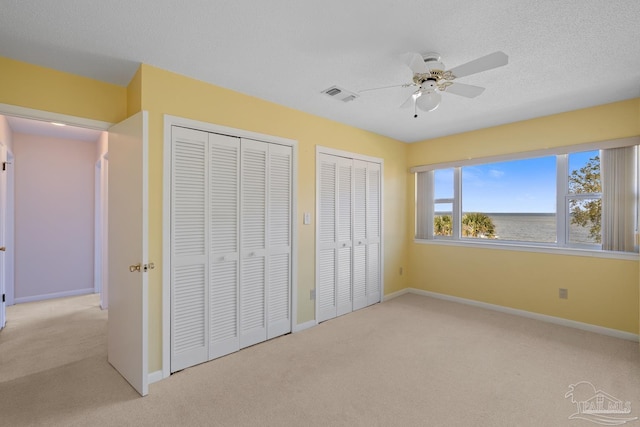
(411, 361)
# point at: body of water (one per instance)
(534, 227)
(525, 227)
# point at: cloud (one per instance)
(494, 173)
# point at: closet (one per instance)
(348, 265)
(231, 234)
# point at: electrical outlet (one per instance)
(312, 294)
(563, 293)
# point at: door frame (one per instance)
(4, 189)
(354, 156)
(9, 233)
(170, 121)
(31, 113)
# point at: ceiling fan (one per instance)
(431, 78)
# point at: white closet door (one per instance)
(189, 308)
(343, 252)
(327, 237)
(374, 217)
(279, 241)
(253, 213)
(359, 234)
(224, 203)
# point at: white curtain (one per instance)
(619, 199)
(424, 202)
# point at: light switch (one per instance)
(306, 220)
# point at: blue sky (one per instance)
(516, 186)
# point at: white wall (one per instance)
(54, 218)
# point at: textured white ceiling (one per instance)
(564, 54)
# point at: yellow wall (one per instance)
(134, 93)
(602, 291)
(167, 93)
(40, 88)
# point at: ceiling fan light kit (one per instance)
(428, 101)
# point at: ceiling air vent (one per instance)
(340, 94)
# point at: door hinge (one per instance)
(3, 297)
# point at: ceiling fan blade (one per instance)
(411, 100)
(385, 87)
(493, 60)
(415, 62)
(468, 91)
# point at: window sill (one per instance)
(523, 247)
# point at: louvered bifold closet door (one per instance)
(327, 170)
(279, 241)
(374, 225)
(359, 234)
(344, 226)
(189, 311)
(224, 220)
(253, 214)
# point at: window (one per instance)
(582, 199)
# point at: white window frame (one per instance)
(563, 196)
(563, 200)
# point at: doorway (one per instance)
(54, 210)
(36, 125)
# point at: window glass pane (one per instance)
(442, 219)
(584, 172)
(513, 200)
(443, 184)
(584, 220)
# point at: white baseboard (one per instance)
(73, 293)
(395, 294)
(154, 377)
(531, 315)
(303, 326)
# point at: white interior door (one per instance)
(189, 270)
(374, 226)
(224, 261)
(279, 241)
(343, 253)
(128, 240)
(359, 234)
(348, 265)
(3, 243)
(253, 235)
(327, 170)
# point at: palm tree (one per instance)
(442, 225)
(475, 224)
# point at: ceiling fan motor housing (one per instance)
(429, 84)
